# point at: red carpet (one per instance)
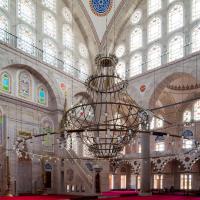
(155, 197)
(62, 197)
(42, 197)
(120, 193)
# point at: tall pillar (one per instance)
(146, 165)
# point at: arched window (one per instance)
(153, 6)
(175, 16)
(68, 39)
(121, 69)
(49, 24)
(67, 15)
(75, 144)
(4, 4)
(154, 29)
(136, 17)
(120, 51)
(25, 85)
(187, 143)
(159, 146)
(187, 116)
(86, 152)
(83, 67)
(159, 122)
(3, 26)
(68, 62)
(136, 65)
(154, 57)
(26, 39)
(47, 128)
(156, 123)
(5, 82)
(51, 4)
(175, 48)
(195, 9)
(26, 11)
(196, 39)
(83, 50)
(197, 111)
(136, 39)
(42, 96)
(49, 52)
(170, 1)
(152, 123)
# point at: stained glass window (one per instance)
(5, 82)
(83, 50)
(175, 48)
(4, 4)
(187, 116)
(67, 15)
(47, 127)
(68, 39)
(42, 96)
(49, 52)
(154, 57)
(135, 65)
(154, 29)
(175, 16)
(197, 111)
(136, 17)
(83, 67)
(68, 62)
(3, 26)
(26, 39)
(26, 11)
(136, 39)
(195, 9)
(49, 24)
(25, 85)
(196, 39)
(51, 4)
(153, 6)
(121, 69)
(120, 51)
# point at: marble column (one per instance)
(146, 165)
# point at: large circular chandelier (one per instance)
(110, 118)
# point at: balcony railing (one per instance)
(28, 48)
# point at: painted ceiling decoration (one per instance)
(101, 7)
(100, 14)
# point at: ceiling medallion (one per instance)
(110, 119)
(101, 7)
